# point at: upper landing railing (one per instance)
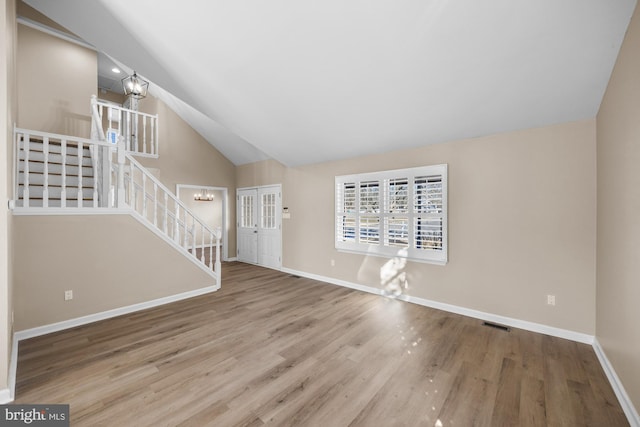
(140, 130)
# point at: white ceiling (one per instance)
(305, 82)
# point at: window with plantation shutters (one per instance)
(394, 213)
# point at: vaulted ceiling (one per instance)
(310, 81)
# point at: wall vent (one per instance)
(497, 326)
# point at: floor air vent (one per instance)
(496, 326)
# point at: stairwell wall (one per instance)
(618, 236)
(56, 79)
(108, 261)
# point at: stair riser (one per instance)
(37, 192)
(56, 180)
(56, 169)
(36, 156)
(56, 147)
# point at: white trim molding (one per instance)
(490, 317)
(35, 211)
(624, 399)
(5, 396)
(84, 320)
(13, 368)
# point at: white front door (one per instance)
(260, 226)
(269, 227)
(247, 226)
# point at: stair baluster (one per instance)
(155, 204)
(45, 190)
(25, 186)
(80, 161)
(63, 177)
(165, 217)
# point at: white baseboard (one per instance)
(616, 384)
(79, 321)
(232, 259)
(13, 368)
(5, 396)
(84, 320)
(507, 321)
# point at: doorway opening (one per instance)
(260, 225)
(212, 209)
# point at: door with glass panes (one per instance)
(260, 226)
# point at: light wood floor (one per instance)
(270, 348)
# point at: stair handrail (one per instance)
(127, 165)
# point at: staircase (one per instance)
(63, 174)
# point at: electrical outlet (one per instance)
(333, 263)
(551, 300)
(68, 295)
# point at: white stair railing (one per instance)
(140, 130)
(139, 190)
(54, 170)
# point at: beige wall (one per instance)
(7, 117)
(266, 172)
(55, 79)
(108, 261)
(187, 158)
(521, 223)
(618, 268)
(107, 95)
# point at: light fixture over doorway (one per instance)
(203, 196)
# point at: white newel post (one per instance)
(26, 142)
(121, 150)
(63, 191)
(45, 189)
(80, 161)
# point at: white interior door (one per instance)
(269, 227)
(247, 226)
(260, 226)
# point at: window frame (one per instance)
(392, 215)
